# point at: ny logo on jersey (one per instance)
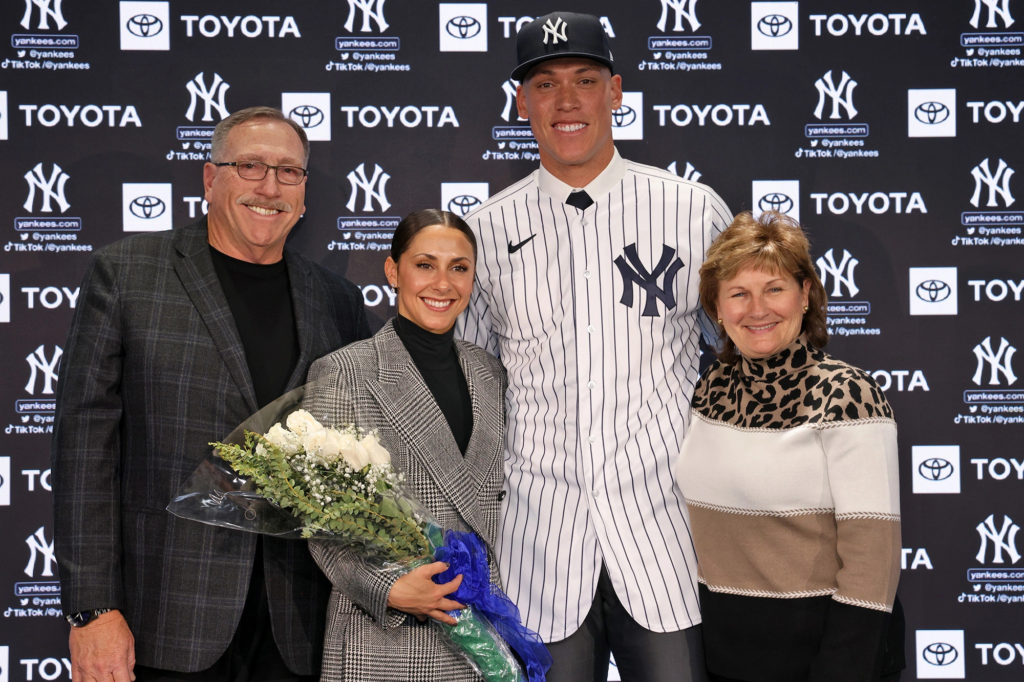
(648, 281)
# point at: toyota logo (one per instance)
(306, 116)
(147, 207)
(776, 201)
(623, 116)
(931, 113)
(939, 653)
(463, 204)
(774, 25)
(463, 28)
(935, 469)
(145, 25)
(933, 291)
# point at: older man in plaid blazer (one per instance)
(178, 337)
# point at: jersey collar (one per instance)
(597, 188)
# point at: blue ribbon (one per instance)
(466, 555)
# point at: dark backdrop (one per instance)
(891, 129)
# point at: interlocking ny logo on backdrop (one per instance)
(1000, 8)
(46, 12)
(1003, 540)
(373, 10)
(842, 274)
(999, 362)
(39, 365)
(997, 184)
(648, 280)
(684, 9)
(373, 188)
(39, 548)
(842, 95)
(509, 88)
(197, 88)
(37, 180)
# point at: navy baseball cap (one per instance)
(561, 34)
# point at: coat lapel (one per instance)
(194, 268)
(406, 402)
(310, 318)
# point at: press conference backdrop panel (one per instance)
(891, 130)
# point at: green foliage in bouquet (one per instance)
(357, 506)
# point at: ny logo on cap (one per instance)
(552, 30)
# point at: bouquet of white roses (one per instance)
(303, 479)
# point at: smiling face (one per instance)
(250, 219)
(434, 277)
(762, 312)
(569, 102)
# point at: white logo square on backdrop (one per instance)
(935, 468)
(5, 493)
(145, 25)
(775, 26)
(312, 111)
(778, 195)
(3, 114)
(4, 656)
(933, 291)
(940, 655)
(463, 27)
(462, 198)
(628, 119)
(931, 113)
(146, 206)
(5, 298)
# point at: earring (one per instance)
(719, 320)
(805, 309)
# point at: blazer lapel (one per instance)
(310, 317)
(485, 443)
(194, 268)
(406, 402)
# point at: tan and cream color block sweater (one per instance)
(789, 470)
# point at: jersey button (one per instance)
(591, 385)
(586, 273)
(590, 329)
(593, 439)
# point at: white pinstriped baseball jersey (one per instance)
(595, 315)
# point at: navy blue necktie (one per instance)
(579, 199)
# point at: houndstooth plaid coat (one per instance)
(375, 385)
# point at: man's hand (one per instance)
(417, 594)
(103, 650)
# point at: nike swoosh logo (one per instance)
(512, 248)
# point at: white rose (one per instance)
(353, 452)
(378, 455)
(283, 439)
(301, 422)
(330, 451)
(313, 440)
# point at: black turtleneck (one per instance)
(438, 363)
(260, 299)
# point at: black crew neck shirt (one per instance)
(435, 357)
(260, 299)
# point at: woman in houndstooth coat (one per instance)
(438, 405)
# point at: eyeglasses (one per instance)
(255, 170)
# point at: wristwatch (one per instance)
(83, 618)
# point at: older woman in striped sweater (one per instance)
(790, 475)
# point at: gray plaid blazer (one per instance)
(153, 370)
(375, 385)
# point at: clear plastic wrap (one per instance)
(282, 473)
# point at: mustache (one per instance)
(282, 206)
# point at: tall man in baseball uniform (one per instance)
(587, 291)
(179, 337)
